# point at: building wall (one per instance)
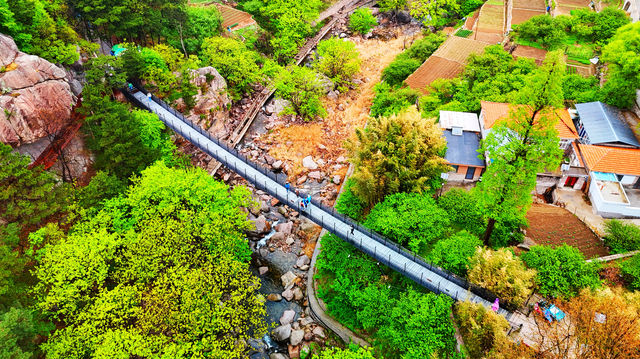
(459, 175)
(632, 7)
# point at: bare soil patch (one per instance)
(554, 226)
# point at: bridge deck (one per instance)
(369, 242)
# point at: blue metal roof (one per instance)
(604, 124)
(463, 150)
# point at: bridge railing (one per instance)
(283, 197)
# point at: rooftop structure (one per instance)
(602, 124)
(462, 149)
(466, 121)
(622, 161)
(492, 112)
(234, 19)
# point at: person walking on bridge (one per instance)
(287, 186)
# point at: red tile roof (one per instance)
(232, 16)
(625, 161)
(495, 111)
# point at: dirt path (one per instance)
(324, 139)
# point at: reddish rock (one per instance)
(294, 351)
(36, 97)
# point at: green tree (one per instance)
(482, 330)
(621, 237)
(392, 5)
(18, 329)
(623, 70)
(631, 271)
(302, 88)
(396, 154)
(399, 70)
(389, 102)
(161, 271)
(362, 21)
(235, 62)
(463, 210)
(412, 219)
(339, 60)
(580, 89)
(502, 273)
(453, 253)
(349, 204)
(433, 13)
(521, 146)
(562, 271)
(598, 27)
(542, 29)
(199, 23)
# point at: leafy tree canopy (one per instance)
(482, 330)
(303, 89)
(160, 271)
(453, 253)
(562, 271)
(621, 237)
(362, 21)
(339, 60)
(397, 154)
(433, 13)
(335, 353)
(623, 57)
(235, 62)
(412, 219)
(502, 273)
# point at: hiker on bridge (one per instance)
(287, 186)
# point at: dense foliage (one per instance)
(234, 61)
(302, 88)
(621, 237)
(138, 279)
(338, 60)
(622, 55)
(389, 101)
(454, 252)
(397, 154)
(502, 273)
(463, 210)
(359, 293)
(562, 271)
(40, 27)
(631, 271)
(482, 330)
(335, 353)
(362, 21)
(413, 220)
(349, 204)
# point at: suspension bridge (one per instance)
(378, 247)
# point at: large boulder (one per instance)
(35, 96)
(212, 100)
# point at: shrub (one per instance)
(453, 253)
(621, 237)
(339, 60)
(391, 102)
(562, 271)
(234, 61)
(502, 273)
(482, 329)
(463, 210)
(362, 21)
(399, 70)
(301, 87)
(349, 204)
(631, 271)
(542, 29)
(411, 219)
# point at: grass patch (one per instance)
(464, 33)
(495, 2)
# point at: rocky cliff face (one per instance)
(35, 96)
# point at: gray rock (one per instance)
(262, 226)
(309, 163)
(288, 279)
(305, 321)
(306, 225)
(316, 175)
(290, 241)
(302, 260)
(297, 293)
(287, 294)
(403, 17)
(296, 337)
(287, 317)
(277, 165)
(277, 356)
(304, 267)
(281, 333)
(332, 95)
(336, 179)
(326, 82)
(278, 236)
(318, 331)
(285, 228)
(263, 270)
(264, 207)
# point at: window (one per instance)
(455, 168)
(456, 131)
(470, 172)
